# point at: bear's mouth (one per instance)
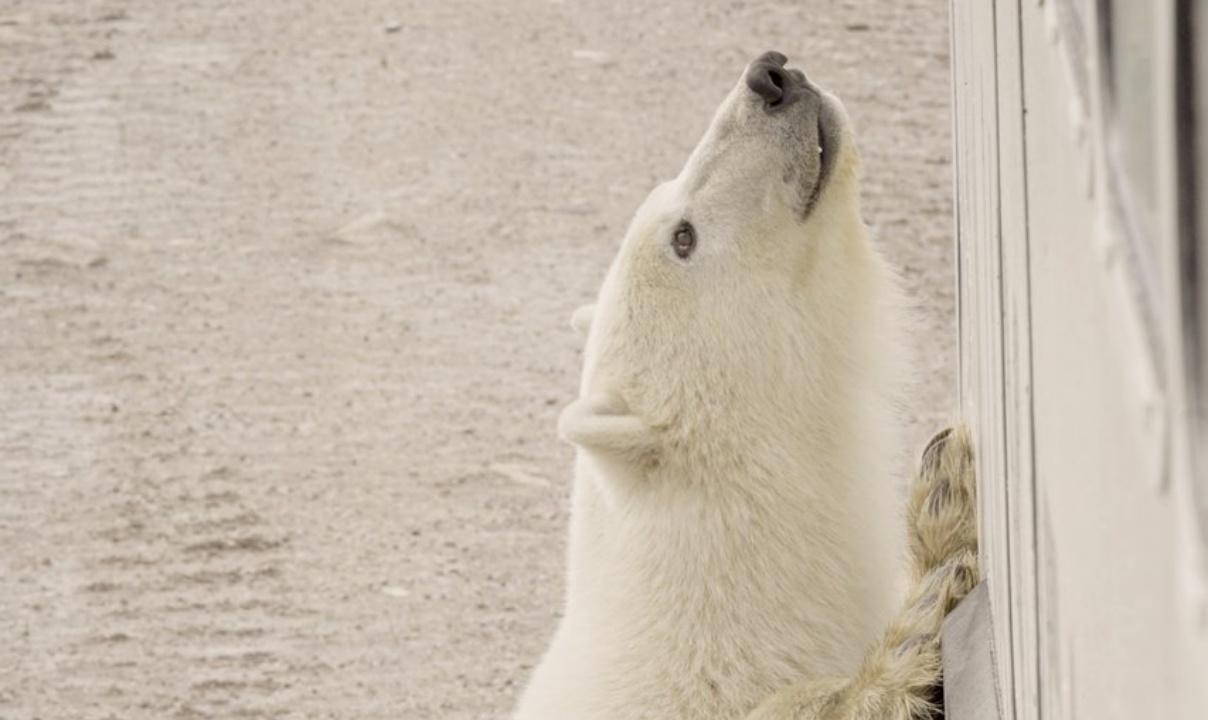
(828, 147)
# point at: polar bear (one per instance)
(734, 525)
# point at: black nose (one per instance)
(768, 78)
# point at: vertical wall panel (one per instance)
(995, 324)
(1016, 407)
(979, 279)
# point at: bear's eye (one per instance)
(684, 240)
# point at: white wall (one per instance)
(1071, 359)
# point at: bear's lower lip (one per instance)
(827, 145)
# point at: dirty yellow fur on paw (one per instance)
(942, 512)
(899, 676)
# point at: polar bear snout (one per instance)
(778, 86)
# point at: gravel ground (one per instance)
(284, 291)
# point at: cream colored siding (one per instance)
(1072, 351)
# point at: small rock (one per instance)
(372, 228)
(598, 57)
(519, 474)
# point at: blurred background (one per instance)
(284, 302)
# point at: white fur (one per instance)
(734, 524)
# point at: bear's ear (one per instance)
(581, 319)
(604, 424)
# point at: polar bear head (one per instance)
(745, 292)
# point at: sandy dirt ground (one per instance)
(284, 290)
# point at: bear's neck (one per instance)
(779, 562)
